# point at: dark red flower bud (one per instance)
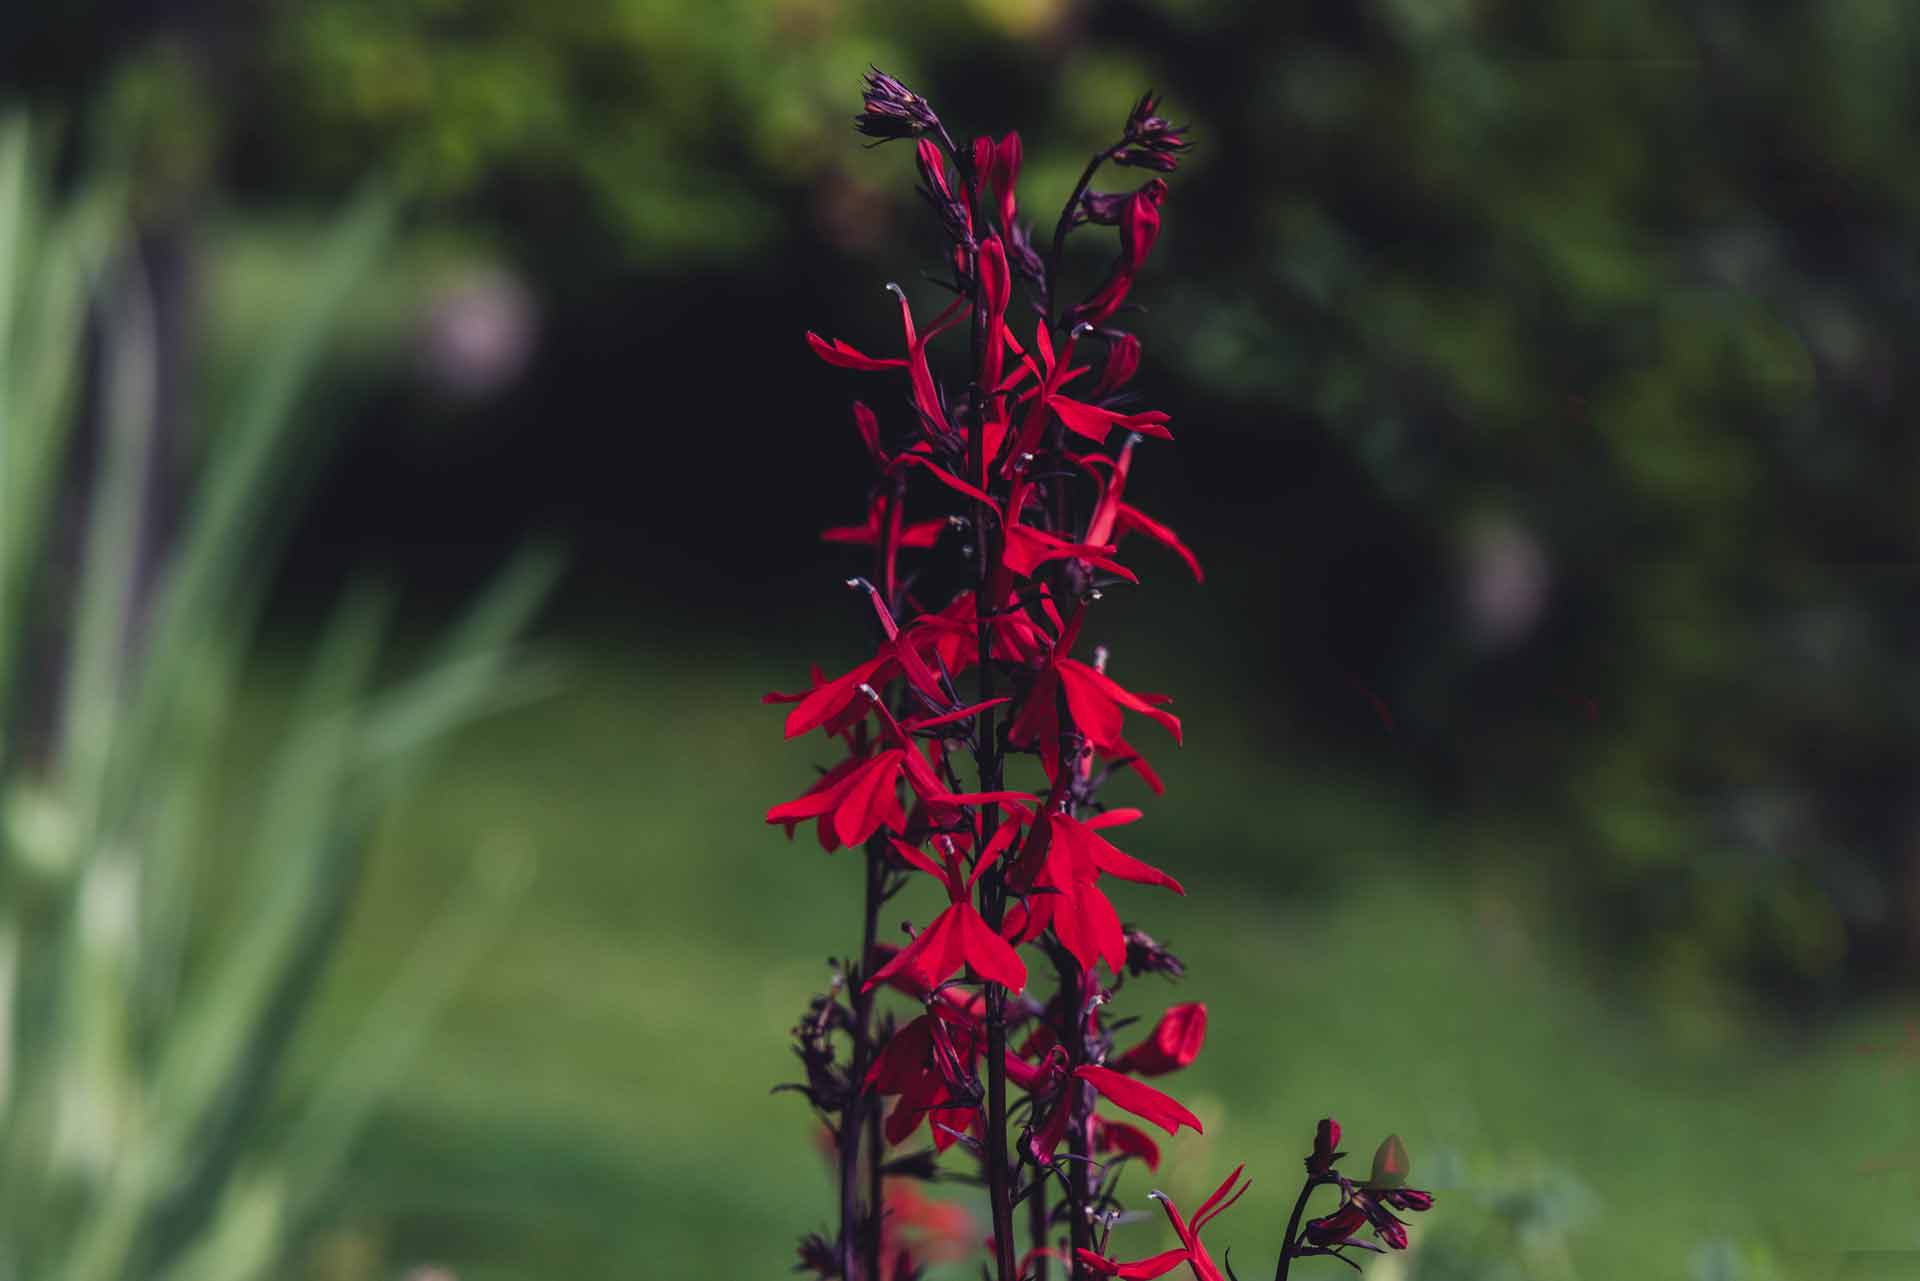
(1147, 160)
(1104, 207)
(956, 213)
(1153, 140)
(1326, 1137)
(996, 291)
(1334, 1228)
(1003, 171)
(1407, 1199)
(1144, 956)
(891, 110)
(1024, 257)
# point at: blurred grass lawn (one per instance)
(596, 1104)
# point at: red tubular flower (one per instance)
(1139, 228)
(1191, 1251)
(1095, 702)
(926, 1064)
(1003, 171)
(1059, 871)
(1174, 1043)
(1143, 1101)
(926, 396)
(857, 803)
(996, 292)
(846, 357)
(1112, 517)
(1139, 1270)
(958, 936)
(1335, 1229)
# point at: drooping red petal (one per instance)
(918, 858)
(991, 956)
(1140, 1099)
(1174, 1042)
(824, 796)
(871, 800)
(1139, 1270)
(1133, 520)
(1096, 423)
(1026, 549)
(1114, 817)
(1123, 754)
(948, 479)
(824, 702)
(930, 959)
(1106, 858)
(960, 715)
(1128, 1140)
(1094, 697)
(846, 357)
(1087, 926)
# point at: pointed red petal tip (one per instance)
(847, 357)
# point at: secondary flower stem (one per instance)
(1078, 1170)
(1066, 221)
(860, 1101)
(1037, 1229)
(1293, 1230)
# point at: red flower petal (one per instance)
(1139, 1270)
(1142, 1100)
(839, 353)
(1174, 1042)
(991, 956)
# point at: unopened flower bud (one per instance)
(1145, 956)
(891, 110)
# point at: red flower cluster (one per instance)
(1016, 475)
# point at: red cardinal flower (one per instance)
(1191, 1251)
(1175, 1042)
(1059, 870)
(854, 803)
(1112, 517)
(929, 1065)
(1096, 703)
(926, 397)
(958, 936)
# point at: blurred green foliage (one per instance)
(142, 1131)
